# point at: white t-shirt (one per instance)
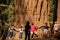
(21, 29)
(11, 29)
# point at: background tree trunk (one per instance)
(58, 11)
(36, 11)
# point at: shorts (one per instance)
(34, 32)
(45, 30)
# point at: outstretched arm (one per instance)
(16, 29)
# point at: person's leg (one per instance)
(35, 34)
(32, 34)
(46, 32)
(54, 32)
(28, 36)
(11, 34)
(21, 35)
(25, 36)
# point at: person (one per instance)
(27, 30)
(55, 27)
(33, 30)
(59, 27)
(21, 29)
(10, 33)
(46, 29)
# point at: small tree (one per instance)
(6, 13)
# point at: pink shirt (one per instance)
(55, 26)
(33, 28)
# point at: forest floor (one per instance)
(37, 38)
(51, 37)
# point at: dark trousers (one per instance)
(34, 34)
(27, 34)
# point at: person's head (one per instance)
(45, 23)
(27, 23)
(21, 27)
(32, 23)
(12, 25)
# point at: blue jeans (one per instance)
(20, 35)
(10, 34)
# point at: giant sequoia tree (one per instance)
(36, 11)
(17, 12)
